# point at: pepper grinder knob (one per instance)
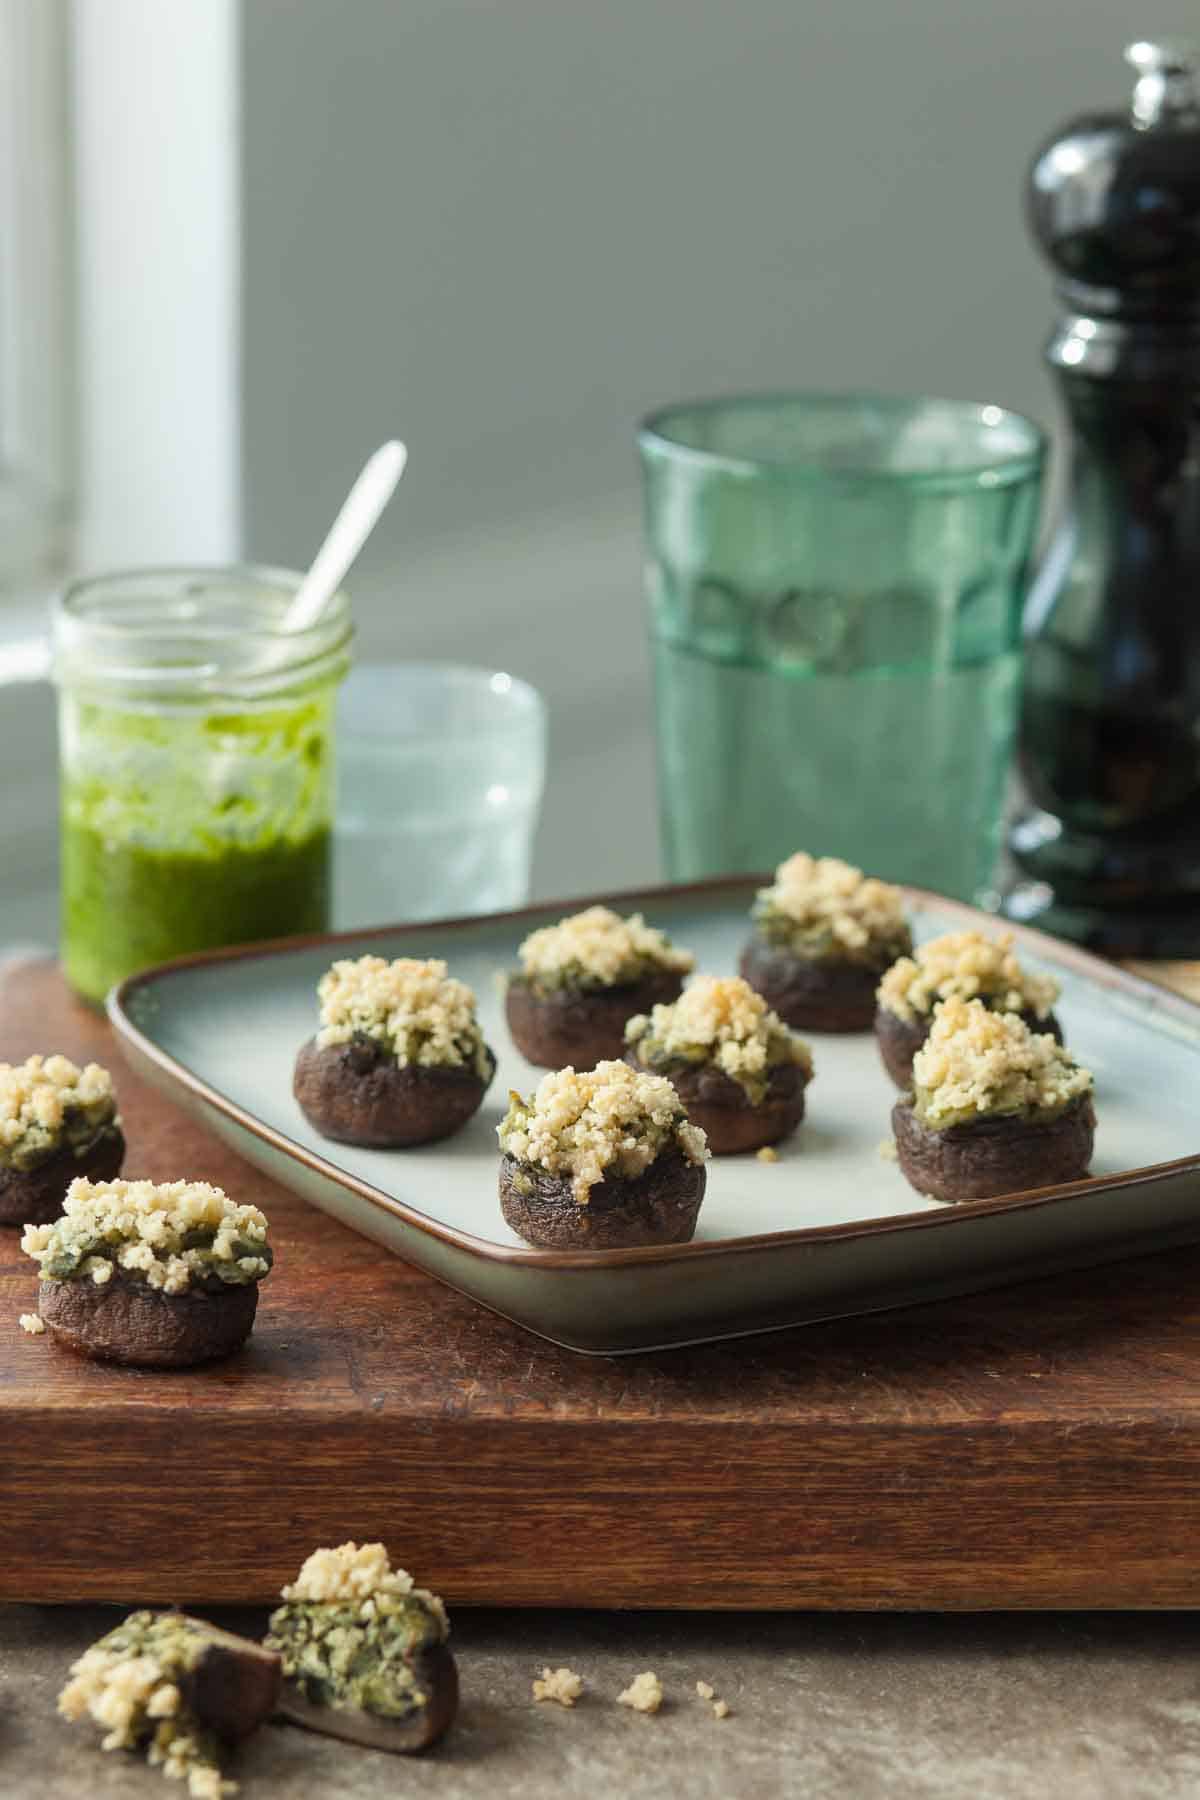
(1167, 82)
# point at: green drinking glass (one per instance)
(835, 586)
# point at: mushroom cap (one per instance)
(124, 1320)
(357, 1093)
(581, 1026)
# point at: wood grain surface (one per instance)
(1035, 1447)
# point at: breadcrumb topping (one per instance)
(562, 1685)
(820, 906)
(720, 1020)
(349, 1572)
(610, 1118)
(977, 1062)
(33, 1323)
(172, 1235)
(644, 1693)
(423, 1015)
(766, 1153)
(598, 948)
(971, 966)
(357, 1574)
(128, 1683)
(47, 1101)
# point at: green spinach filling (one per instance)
(82, 1128)
(358, 1655)
(1009, 1101)
(817, 942)
(572, 978)
(67, 1257)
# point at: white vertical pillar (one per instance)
(36, 291)
(155, 91)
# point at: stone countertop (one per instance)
(1098, 1706)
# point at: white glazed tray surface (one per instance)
(241, 1023)
(220, 1034)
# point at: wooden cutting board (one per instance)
(1035, 1447)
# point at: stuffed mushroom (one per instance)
(601, 1160)
(965, 964)
(178, 1688)
(823, 935)
(150, 1275)
(57, 1122)
(994, 1109)
(364, 1651)
(582, 979)
(399, 1058)
(739, 1070)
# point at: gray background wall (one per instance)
(505, 230)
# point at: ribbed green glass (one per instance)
(834, 585)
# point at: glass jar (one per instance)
(196, 765)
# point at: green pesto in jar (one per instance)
(126, 907)
(185, 832)
(196, 757)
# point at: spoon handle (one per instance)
(347, 535)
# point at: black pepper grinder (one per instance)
(1110, 719)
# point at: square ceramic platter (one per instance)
(830, 1229)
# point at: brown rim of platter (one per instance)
(1092, 968)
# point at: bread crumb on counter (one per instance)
(33, 1323)
(561, 1685)
(886, 1150)
(644, 1693)
(767, 1154)
(720, 1708)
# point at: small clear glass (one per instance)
(196, 765)
(440, 777)
(835, 586)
